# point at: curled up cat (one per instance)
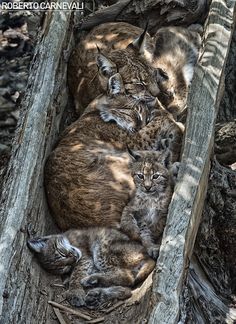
(104, 263)
(144, 218)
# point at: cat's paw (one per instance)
(153, 251)
(76, 297)
(94, 298)
(89, 281)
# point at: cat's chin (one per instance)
(149, 192)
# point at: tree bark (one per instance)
(157, 13)
(23, 284)
(187, 203)
(194, 296)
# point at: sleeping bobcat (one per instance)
(144, 217)
(87, 176)
(105, 264)
(107, 49)
(175, 53)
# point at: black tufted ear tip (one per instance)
(134, 155)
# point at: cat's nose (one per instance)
(147, 188)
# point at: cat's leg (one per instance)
(96, 297)
(116, 276)
(146, 268)
(128, 223)
(76, 294)
(148, 241)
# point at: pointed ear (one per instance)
(37, 244)
(115, 84)
(134, 155)
(175, 170)
(166, 158)
(106, 67)
(139, 43)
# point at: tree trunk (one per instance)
(187, 288)
(23, 284)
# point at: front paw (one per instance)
(76, 297)
(89, 281)
(153, 251)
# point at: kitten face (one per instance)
(55, 253)
(150, 172)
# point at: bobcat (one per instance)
(110, 48)
(87, 176)
(105, 264)
(176, 53)
(144, 217)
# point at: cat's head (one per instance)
(151, 170)
(140, 80)
(55, 253)
(117, 106)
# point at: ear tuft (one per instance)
(37, 244)
(106, 67)
(166, 158)
(134, 155)
(175, 170)
(115, 84)
(139, 43)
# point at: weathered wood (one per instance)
(227, 111)
(225, 143)
(210, 293)
(186, 207)
(158, 13)
(24, 287)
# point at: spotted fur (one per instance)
(106, 263)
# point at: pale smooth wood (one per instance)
(186, 207)
(24, 287)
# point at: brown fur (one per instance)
(176, 53)
(115, 42)
(144, 217)
(108, 264)
(87, 176)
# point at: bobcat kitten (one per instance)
(144, 217)
(105, 263)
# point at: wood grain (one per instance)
(186, 207)
(24, 288)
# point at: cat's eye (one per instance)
(155, 176)
(62, 254)
(140, 175)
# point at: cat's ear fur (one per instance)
(37, 244)
(174, 169)
(105, 66)
(115, 84)
(166, 158)
(139, 44)
(134, 155)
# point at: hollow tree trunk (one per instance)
(176, 293)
